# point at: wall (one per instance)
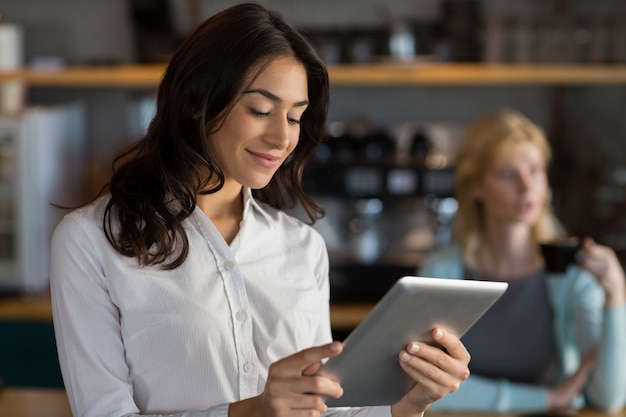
(590, 145)
(101, 30)
(80, 31)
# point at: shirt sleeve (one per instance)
(479, 394)
(87, 328)
(605, 331)
(607, 386)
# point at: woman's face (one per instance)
(515, 188)
(263, 127)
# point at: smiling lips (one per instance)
(265, 160)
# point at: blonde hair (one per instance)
(486, 139)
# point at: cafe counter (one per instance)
(34, 403)
(54, 403)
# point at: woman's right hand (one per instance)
(561, 395)
(292, 388)
(602, 262)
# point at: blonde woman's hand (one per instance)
(601, 261)
(437, 371)
(561, 395)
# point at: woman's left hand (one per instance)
(437, 371)
(601, 261)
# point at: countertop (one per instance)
(54, 403)
(38, 308)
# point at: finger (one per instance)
(306, 359)
(431, 363)
(447, 364)
(301, 389)
(312, 369)
(451, 344)
(295, 405)
(431, 382)
(589, 360)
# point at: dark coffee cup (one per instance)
(560, 253)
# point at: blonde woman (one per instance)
(553, 340)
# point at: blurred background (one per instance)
(385, 173)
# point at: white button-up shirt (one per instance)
(187, 341)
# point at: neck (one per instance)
(509, 252)
(224, 208)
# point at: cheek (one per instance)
(494, 191)
(543, 191)
(293, 142)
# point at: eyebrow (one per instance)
(274, 97)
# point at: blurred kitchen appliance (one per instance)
(402, 41)
(366, 235)
(42, 161)
(445, 210)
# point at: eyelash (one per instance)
(264, 114)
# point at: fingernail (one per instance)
(414, 348)
(438, 334)
(335, 346)
(405, 356)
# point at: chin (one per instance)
(257, 185)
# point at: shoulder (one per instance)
(85, 221)
(286, 220)
(443, 263)
(283, 225)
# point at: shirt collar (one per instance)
(250, 203)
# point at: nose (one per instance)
(524, 181)
(280, 134)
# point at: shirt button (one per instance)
(241, 315)
(248, 367)
(228, 265)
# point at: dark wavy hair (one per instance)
(155, 182)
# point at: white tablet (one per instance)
(368, 367)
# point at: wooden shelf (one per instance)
(477, 74)
(39, 309)
(347, 316)
(26, 308)
(148, 76)
(132, 76)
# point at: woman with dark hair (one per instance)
(187, 290)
